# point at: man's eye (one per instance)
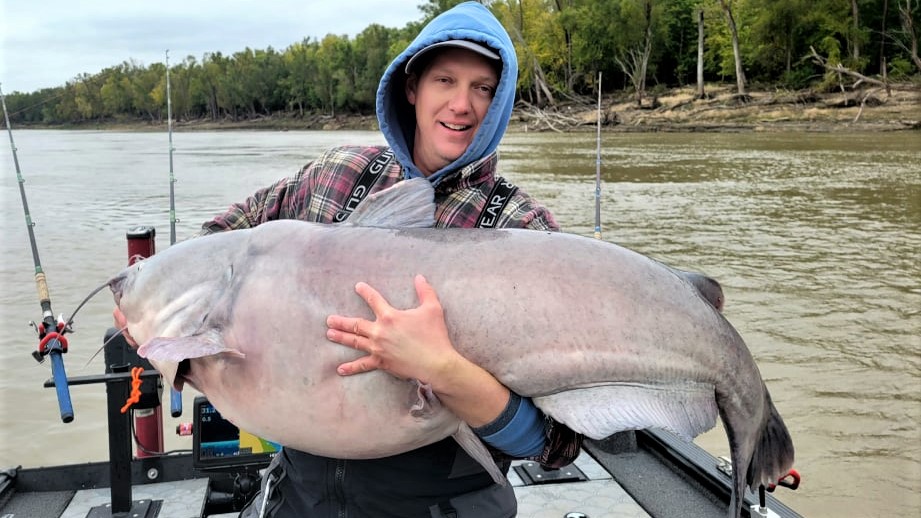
(486, 89)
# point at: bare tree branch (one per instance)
(842, 70)
(908, 25)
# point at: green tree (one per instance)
(782, 29)
(115, 92)
(676, 62)
(566, 26)
(299, 82)
(539, 40)
(639, 25)
(727, 8)
(432, 8)
(182, 89)
(371, 49)
(561, 46)
(148, 90)
(87, 99)
(210, 83)
(334, 57)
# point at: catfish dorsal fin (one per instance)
(410, 203)
(708, 287)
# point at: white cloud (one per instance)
(46, 43)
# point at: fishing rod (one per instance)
(175, 397)
(50, 332)
(598, 168)
(172, 177)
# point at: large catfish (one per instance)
(602, 338)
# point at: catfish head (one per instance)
(169, 299)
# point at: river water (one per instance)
(816, 239)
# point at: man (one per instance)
(443, 105)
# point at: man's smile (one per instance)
(456, 127)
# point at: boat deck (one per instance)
(600, 495)
(597, 496)
(633, 474)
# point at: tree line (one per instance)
(638, 46)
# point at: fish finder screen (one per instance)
(218, 443)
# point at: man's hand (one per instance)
(414, 344)
(122, 324)
(410, 344)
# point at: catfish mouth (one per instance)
(123, 281)
(117, 285)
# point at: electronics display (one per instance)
(219, 444)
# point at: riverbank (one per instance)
(673, 110)
(781, 110)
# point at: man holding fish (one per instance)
(595, 336)
(443, 105)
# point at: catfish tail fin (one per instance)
(773, 455)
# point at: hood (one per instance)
(396, 117)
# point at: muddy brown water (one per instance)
(816, 239)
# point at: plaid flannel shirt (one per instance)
(323, 187)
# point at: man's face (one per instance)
(451, 98)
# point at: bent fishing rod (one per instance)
(52, 342)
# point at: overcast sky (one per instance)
(46, 43)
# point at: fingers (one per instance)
(364, 364)
(379, 304)
(425, 291)
(121, 322)
(375, 300)
(345, 331)
(348, 339)
(348, 326)
(399, 341)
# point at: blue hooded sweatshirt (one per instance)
(467, 21)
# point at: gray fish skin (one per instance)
(603, 338)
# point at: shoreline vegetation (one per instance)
(674, 109)
(760, 65)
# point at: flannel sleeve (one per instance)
(267, 204)
(540, 218)
(527, 213)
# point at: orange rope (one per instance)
(135, 388)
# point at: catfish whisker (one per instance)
(88, 297)
(95, 354)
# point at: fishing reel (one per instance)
(53, 340)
